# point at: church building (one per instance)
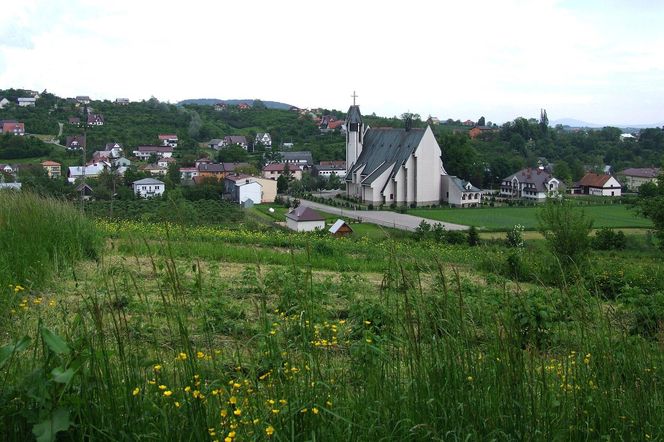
(392, 166)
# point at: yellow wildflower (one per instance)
(314, 410)
(136, 391)
(269, 431)
(167, 393)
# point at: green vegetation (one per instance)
(216, 333)
(12, 147)
(503, 218)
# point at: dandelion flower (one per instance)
(314, 410)
(269, 431)
(136, 391)
(237, 412)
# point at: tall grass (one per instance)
(40, 236)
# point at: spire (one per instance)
(354, 96)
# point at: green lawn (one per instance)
(503, 218)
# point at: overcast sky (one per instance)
(599, 60)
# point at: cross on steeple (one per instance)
(354, 96)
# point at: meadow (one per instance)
(504, 218)
(171, 332)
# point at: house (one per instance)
(392, 165)
(241, 188)
(215, 170)
(634, 178)
(9, 186)
(52, 168)
(264, 139)
(4, 102)
(203, 161)
(329, 123)
(275, 170)
(460, 193)
(122, 101)
(233, 167)
(165, 162)
(340, 228)
(299, 158)
(480, 130)
(82, 99)
(598, 185)
(188, 173)
(287, 145)
(75, 142)
(27, 101)
(6, 168)
(95, 120)
(327, 168)
(88, 171)
(627, 137)
(304, 219)
(469, 123)
(153, 169)
(144, 152)
(243, 106)
(268, 187)
(148, 187)
(121, 162)
(115, 149)
(85, 191)
(220, 106)
(239, 140)
(216, 143)
(531, 184)
(13, 127)
(74, 121)
(170, 140)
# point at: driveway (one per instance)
(382, 217)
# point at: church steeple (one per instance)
(354, 133)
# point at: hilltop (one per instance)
(234, 102)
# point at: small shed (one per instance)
(304, 219)
(340, 228)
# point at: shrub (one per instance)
(514, 237)
(607, 239)
(473, 236)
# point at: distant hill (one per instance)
(578, 123)
(213, 101)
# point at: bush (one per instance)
(607, 239)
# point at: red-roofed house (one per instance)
(53, 169)
(13, 127)
(598, 185)
(274, 171)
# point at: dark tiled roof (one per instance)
(385, 149)
(646, 172)
(304, 213)
(298, 156)
(536, 176)
(465, 186)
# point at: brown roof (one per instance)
(154, 149)
(646, 172)
(230, 167)
(238, 177)
(279, 167)
(49, 163)
(304, 213)
(168, 137)
(594, 180)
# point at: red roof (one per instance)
(13, 127)
(279, 167)
(49, 163)
(594, 180)
(335, 124)
(168, 137)
(238, 177)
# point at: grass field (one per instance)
(175, 332)
(504, 218)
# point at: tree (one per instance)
(282, 184)
(544, 121)
(566, 229)
(232, 154)
(651, 205)
(334, 182)
(481, 121)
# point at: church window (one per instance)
(391, 196)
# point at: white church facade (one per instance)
(393, 166)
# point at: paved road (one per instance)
(382, 217)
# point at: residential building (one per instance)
(220, 106)
(27, 101)
(392, 165)
(300, 158)
(460, 193)
(216, 143)
(470, 123)
(75, 142)
(148, 187)
(215, 170)
(327, 168)
(13, 127)
(188, 173)
(144, 152)
(165, 162)
(74, 121)
(122, 101)
(4, 102)
(6, 168)
(83, 99)
(242, 188)
(89, 171)
(238, 140)
(264, 139)
(598, 185)
(634, 178)
(480, 130)
(95, 120)
(304, 219)
(534, 184)
(275, 170)
(153, 169)
(170, 140)
(53, 169)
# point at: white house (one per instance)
(392, 166)
(304, 219)
(461, 193)
(242, 188)
(4, 102)
(264, 139)
(122, 101)
(188, 173)
(26, 101)
(534, 184)
(598, 185)
(89, 171)
(144, 152)
(148, 187)
(634, 178)
(170, 140)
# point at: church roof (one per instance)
(354, 115)
(385, 149)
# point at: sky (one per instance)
(593, 60)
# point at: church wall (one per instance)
(429, 165)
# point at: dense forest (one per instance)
(484, 160)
